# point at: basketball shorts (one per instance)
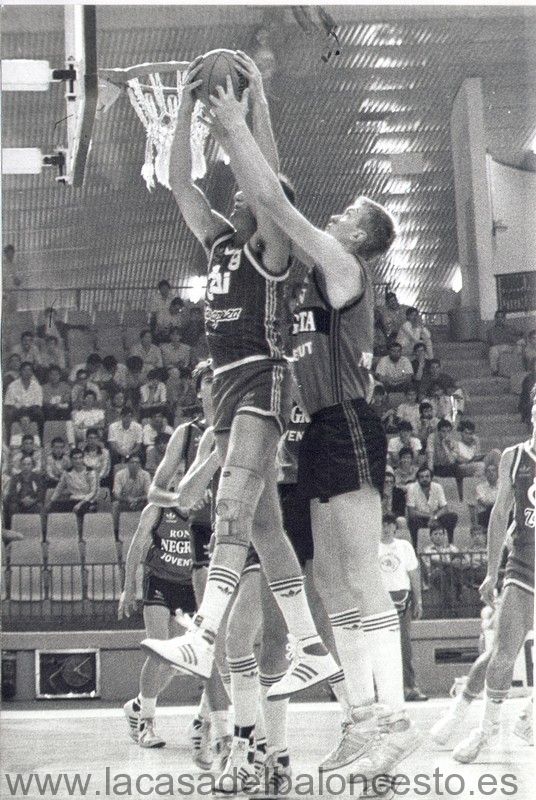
(343, 448)
(520, 566)
(168, 594)
(296, 510)
(199, 543)
(261, 388)
(253, 563)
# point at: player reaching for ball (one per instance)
(343, 452)
(248, 261)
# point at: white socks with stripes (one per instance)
(382, 635)
(338, 686)
(275, 714)
(292, 600)
(353, 650)
(244, 690)
(221, 583)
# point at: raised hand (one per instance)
(247, 67)
(225, 108)
(189, 84)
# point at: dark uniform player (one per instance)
(168, 563)
(520, 565)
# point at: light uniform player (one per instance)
(517, 493)
(343, 453)
(248, 261)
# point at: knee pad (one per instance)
(239, 492)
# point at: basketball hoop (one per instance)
(156, 105)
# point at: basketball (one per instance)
(216, 66)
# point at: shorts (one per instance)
(343, 448)
(296, 511)
(161, 592)
(261, 388)
(520, 567)
(253, 563)
(199, 543)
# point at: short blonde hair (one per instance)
(381, 228)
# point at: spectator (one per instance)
(76, 490)
(24, 427)
(26, 491)
(156, 454)
(89, 416)
(176, 354)
(153, 395)
(93, 367)
(96, 455)
(502, 338)
(131, 486)
(391, 316)
(134, 380)
(159, 311)
(468, 450)
(52, 326)
(113, 375)
(413, 331)
(380, 404)
(149, 352)
(166, 320)
(52, 354)
(418, 363)
(427, 422)
(125, 436)
(156, 425)
(442, 454)
(394, 371)
(528, 350)
(404, 439)
(115, 408)
(24, 396)
(409, 409)
(406, 471)
(57, 461)
(444, 564)
(486, 494)
(13, 370)
(401, 577)
(525, 397)
(476, 557)
(393, 498)
(181, 392)
(27, 448)
(433, 375)
(426, 504)
(56, 396)
(81, 386)
(28, 349)
(441, 403)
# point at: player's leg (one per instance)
(514, 620)
(154, 676)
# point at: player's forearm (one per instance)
(180, 162)
(133, 560)
(162, 497)
(194, 484)
(263, 131)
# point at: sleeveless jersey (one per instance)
(332, 348)
(244, 306)
(169, 556)
(289, 446)
(523, 477)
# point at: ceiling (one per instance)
(340, 124)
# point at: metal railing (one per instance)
(450, 583)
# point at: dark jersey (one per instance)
(169, 555)
(244, 306)
(289, 446)
(523, 476)
(332, 348)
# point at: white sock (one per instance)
(244, 689)
(147, 707)
(353, 651)
(204, 706)
(339, 688)
(382, 634)
(219, 721)
(292, 600)
(494, 699)
(221, 583)
(275, 714)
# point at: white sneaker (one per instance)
(468, 750)
(524, 725)
(395, 739)
(306, 668)
(239, 773)
(190, 653)
(358, 732)
(276, 776)
(449, 725)
(147, 736)
(201, 747)
(222, 751)
(131, 710)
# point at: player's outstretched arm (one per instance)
(159, 491)
(343, 277)
(260, 112)
(498, 524)
(136, 551)
(205, 223)
(192, 488)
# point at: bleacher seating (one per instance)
(106, 319)
(26, 570)
(79, 318)
(109, 342)
(79, 345)
(29, 525)
(135, 318)
(62, 529)
(64, 562)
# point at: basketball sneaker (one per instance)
(396, 737)
(222, 750)
(259, 757)
(524, 725)
(449, 725)
(359, 730)
(469, 748)
(147, 736)
(131, 710)
(239, 773)
(307, 667)
(191, 652)
(276, 775)
(200, 744)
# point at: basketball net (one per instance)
(157, 106)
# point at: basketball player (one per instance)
(343, 453)
(517, 492)
(247, 265)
